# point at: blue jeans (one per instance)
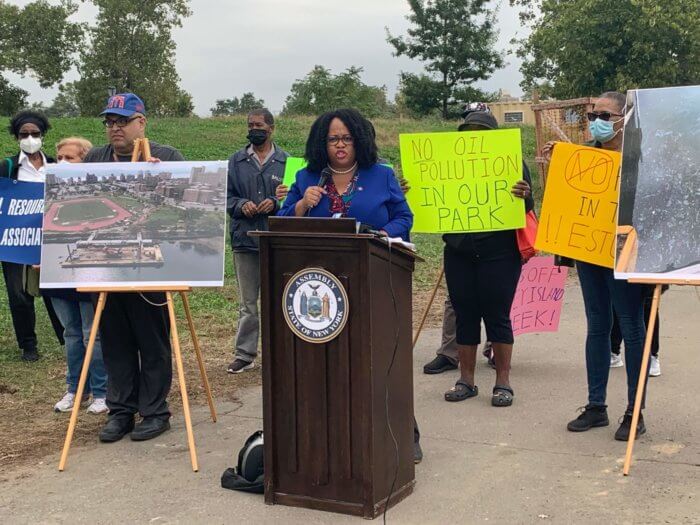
(76, 318)
(600, 292)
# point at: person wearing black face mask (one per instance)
(254, 172)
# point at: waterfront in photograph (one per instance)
(127, 224)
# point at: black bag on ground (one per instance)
(248, 475)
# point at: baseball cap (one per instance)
(480, 118)
(124, 104)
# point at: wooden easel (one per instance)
(625, 261)
(142, 147)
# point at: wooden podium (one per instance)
(327, 442)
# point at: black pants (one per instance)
(616, 334)
(137, 354)
(22, 308)
(481, 290)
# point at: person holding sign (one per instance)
(482, 272)
(601, 291)
(29, 165)
(344, 179)
(134, 331)
(254, 173)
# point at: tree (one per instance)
(455, 39)
(12, 98)
(422, 96)
(236, 106)
(65, 104)
(586, 47)
(132, 49)
(321, 91)
(31, 39)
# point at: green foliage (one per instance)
(12, 98)
(455, 40)
(422, 96)
(587, 47)
(132, 49)
(321, 91)
(66, 102)
(31, 40)
(235, 106)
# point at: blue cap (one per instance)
(124, 104)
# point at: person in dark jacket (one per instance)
(29, 165)
(254, 173)
(482, 272)
(134, 331)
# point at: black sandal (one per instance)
(461, 391)
(502, 396)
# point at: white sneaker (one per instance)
(98, 406)
(65, 404)
(654, 367)
(616, 361)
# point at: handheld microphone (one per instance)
(325, 173)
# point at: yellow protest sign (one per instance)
(579, 210)
(461, 181)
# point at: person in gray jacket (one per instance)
(253, 174)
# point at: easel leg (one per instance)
(181, 380)
(198, 353)
(427, 307)
(83, 378)
(642, 379)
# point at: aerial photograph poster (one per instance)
(126, 224)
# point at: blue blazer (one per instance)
(378, 200)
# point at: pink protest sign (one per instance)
(539, 297)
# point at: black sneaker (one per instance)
(30, 354)
(239, 366)
(149, 428)
(439, 365)
(623, 433)
(590, 417)
(116, 428)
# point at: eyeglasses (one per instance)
(334, 139)
(119, 122)
(602, 115)
(27, 134)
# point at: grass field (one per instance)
(29, 390)
(85, 210)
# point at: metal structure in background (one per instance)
(560, 120)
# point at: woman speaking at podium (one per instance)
(344, 179)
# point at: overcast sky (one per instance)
(263, 46)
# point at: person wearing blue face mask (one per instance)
(601, 291)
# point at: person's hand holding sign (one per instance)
(312, 196)
(547, 150)
(281, 192)
(249, 209)
(521, 189)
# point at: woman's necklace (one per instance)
(343, 172)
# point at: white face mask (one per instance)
(63, 161)
(30, 145)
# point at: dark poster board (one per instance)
(659, 215)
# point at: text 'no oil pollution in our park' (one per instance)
(461, 181)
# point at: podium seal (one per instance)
(315, 305)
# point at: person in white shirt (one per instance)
(29, 165)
